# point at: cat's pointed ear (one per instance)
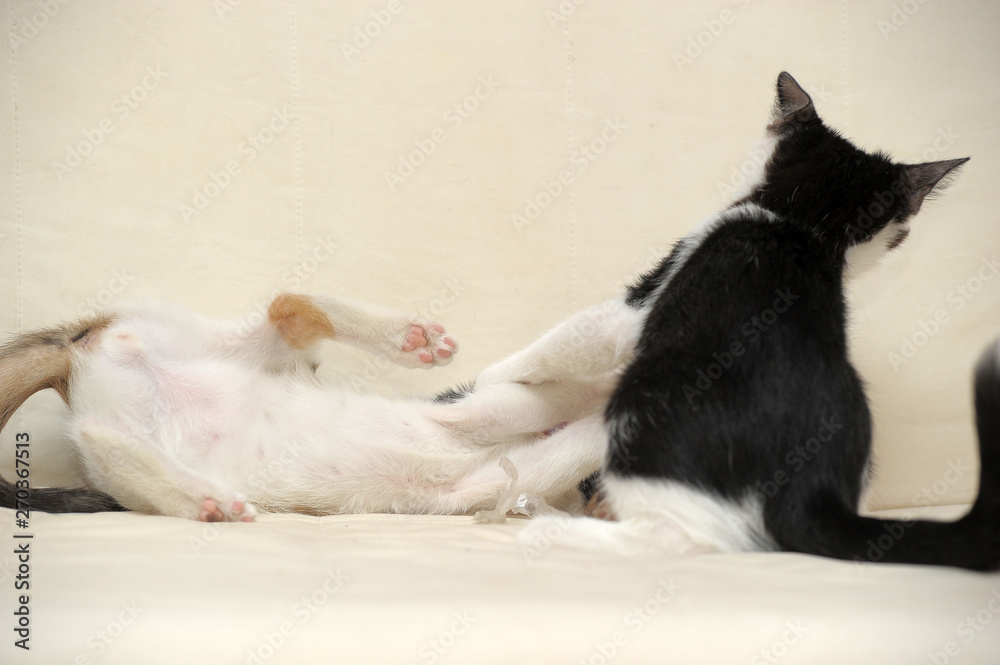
(791, 105)
(929, 178)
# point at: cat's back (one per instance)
(739, 266)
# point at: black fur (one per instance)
(742, 387)
(453, 395)
(42, 351)
(590, 486)
(58, 500)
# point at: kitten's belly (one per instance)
(318, 450)
(282, 440)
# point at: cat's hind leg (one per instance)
(495, 411)
(550, 467)
(302, 320)
(288, 338)
(594, 341)
(143, 478)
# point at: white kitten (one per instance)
(177, 414)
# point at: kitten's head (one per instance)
(855, 200)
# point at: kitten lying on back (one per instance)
(176, 414)
(734, 356)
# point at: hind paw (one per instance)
(232, 511)
(426, 344)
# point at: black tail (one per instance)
(825, 525)
(31, 363)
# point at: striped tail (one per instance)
(34, 362)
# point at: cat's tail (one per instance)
(825, 525)
(30, 363)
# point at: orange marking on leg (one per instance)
(299, 322)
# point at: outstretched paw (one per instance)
(427, 344)
(235, 511)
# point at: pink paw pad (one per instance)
(210, 512)
(426, 344)
(415, 339)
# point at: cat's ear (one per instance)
(923, 180)
(791, 105)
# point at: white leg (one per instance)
(597, 340)
(492, 412)
(550, 467)
(412, 342)
(295, 324)
(142, 478)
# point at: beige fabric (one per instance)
(132, 116)
(497, 165)
(397, 589)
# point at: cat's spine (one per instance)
(829, 527)
(28, 364)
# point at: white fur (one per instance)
(760, 157)
(170, 409)
(593, 342)
(861, 258)
(660, 517)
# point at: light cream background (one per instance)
(542, 153)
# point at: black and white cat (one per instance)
(733, 357)
(177, 414)
(727, 357)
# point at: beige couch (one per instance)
(498, 166)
